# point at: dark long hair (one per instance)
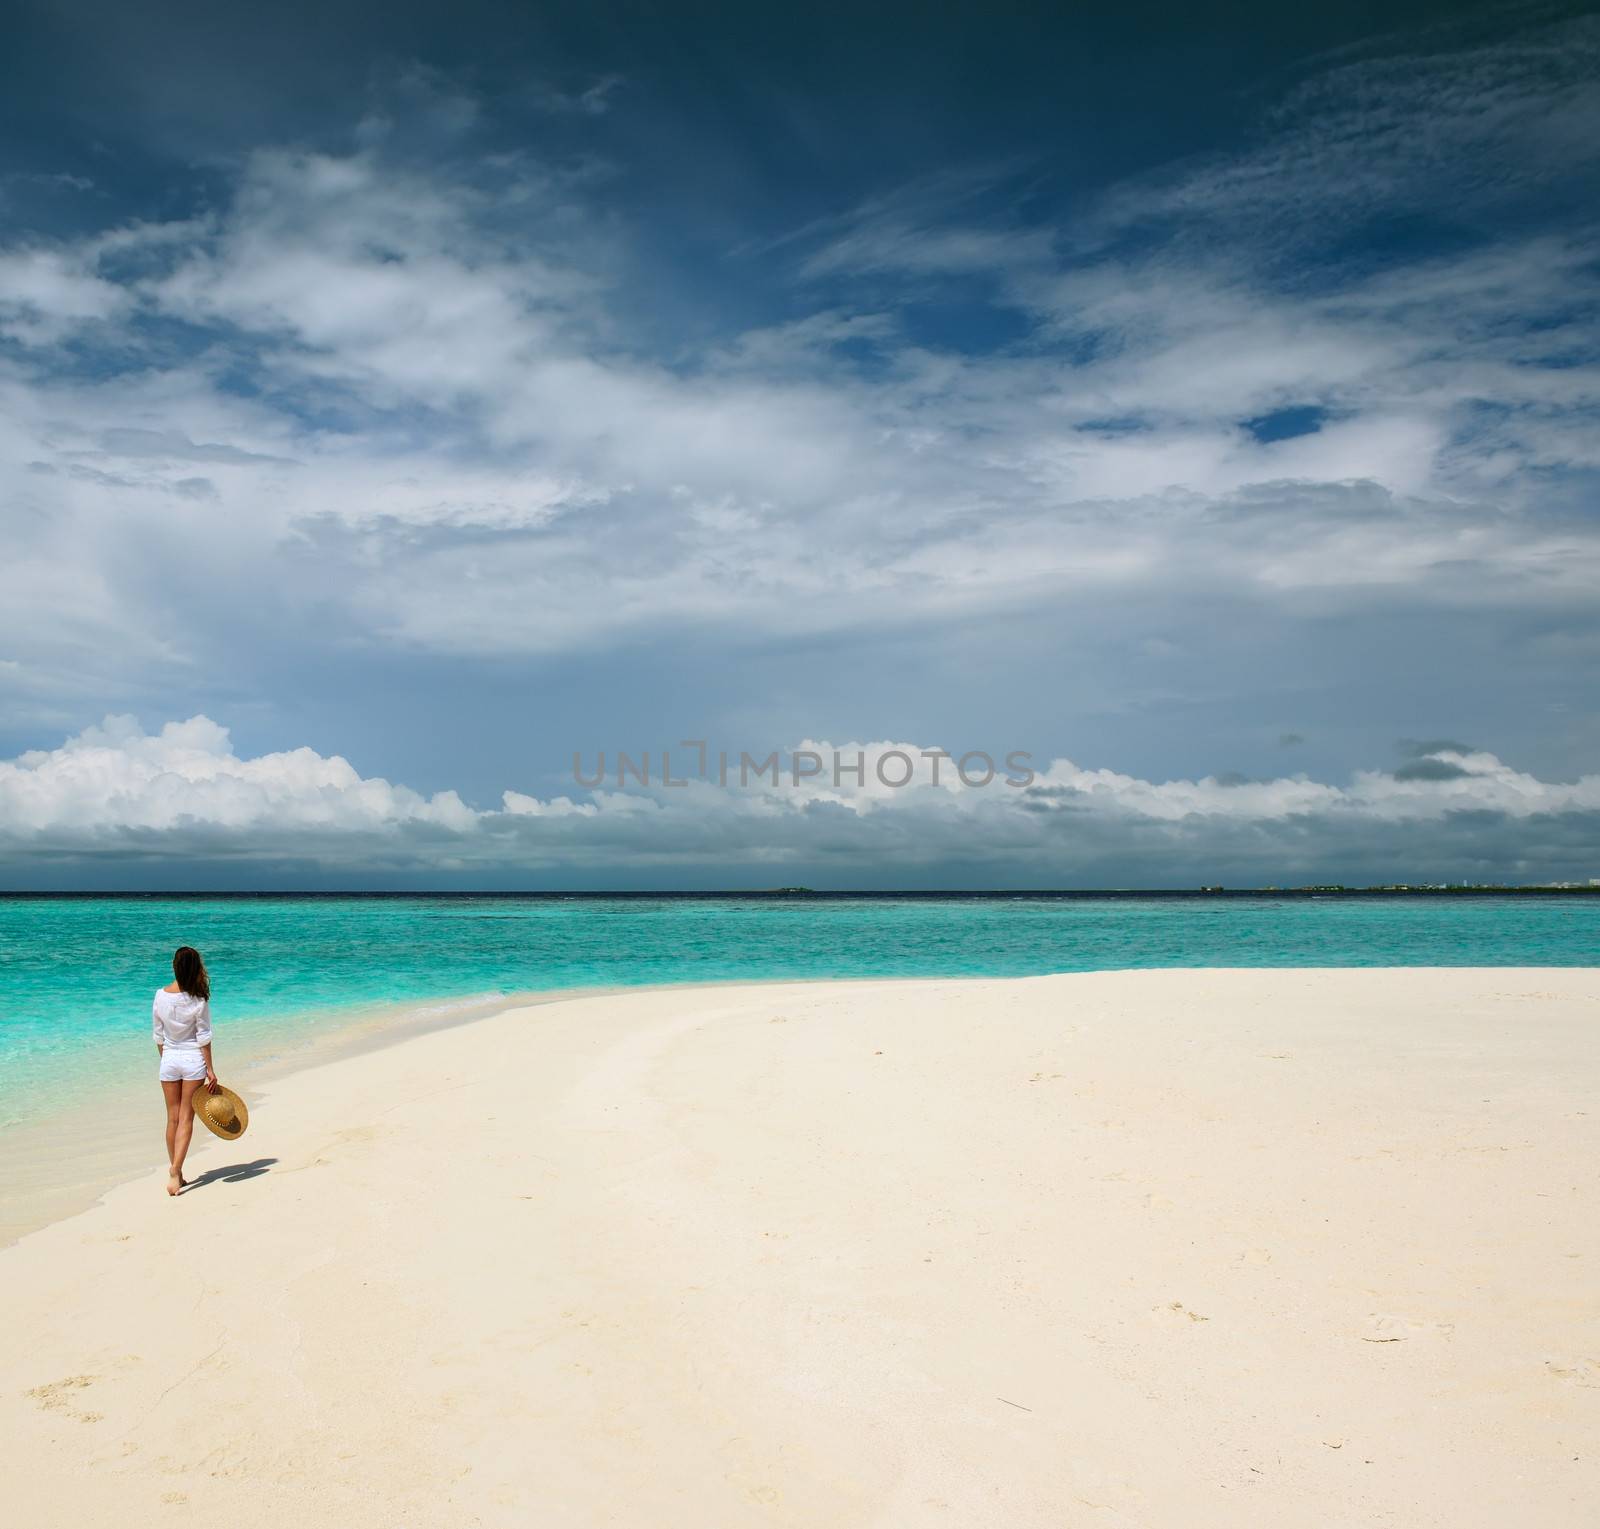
(190, 971)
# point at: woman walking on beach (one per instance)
(181, 1016)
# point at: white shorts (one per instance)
(180, 1066)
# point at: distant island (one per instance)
(1311, 889)
(1434, 888)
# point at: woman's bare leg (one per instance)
(174, 1098)
(183, 1131)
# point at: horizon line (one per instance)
(1305, 889)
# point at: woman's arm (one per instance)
(202, 1034)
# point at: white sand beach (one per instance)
(1184, 1248)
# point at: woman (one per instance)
(182, 1020)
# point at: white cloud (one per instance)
(377, 397)
(182, 795)
(48, 294)
(442, 400)
(116, 778)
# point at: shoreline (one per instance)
(320, 1038)
(911, 1252)
(44, 1186)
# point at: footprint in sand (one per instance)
(57, 1397)
(1578, 1372)
(1391, 1329)
(1176, 1311)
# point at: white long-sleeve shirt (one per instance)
(181, 1021)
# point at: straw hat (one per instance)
(222, 1113)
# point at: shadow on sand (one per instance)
(234, 1173)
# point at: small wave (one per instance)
(457, 1005)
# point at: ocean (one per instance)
(78, 973)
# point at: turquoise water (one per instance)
(78, 973)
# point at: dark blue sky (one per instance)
(1182, 394)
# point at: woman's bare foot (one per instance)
(174, 1181)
